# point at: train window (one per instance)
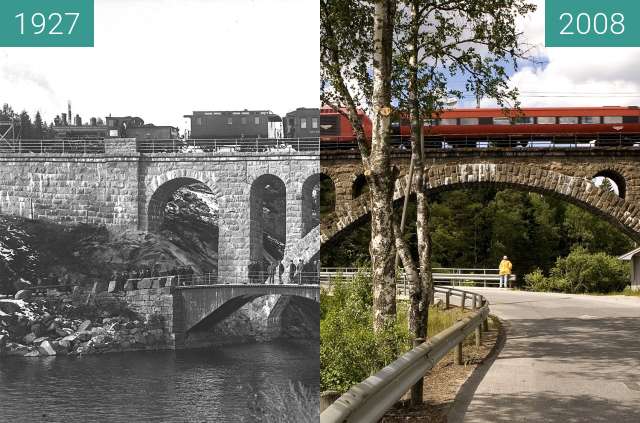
(567, 120)
(501, 121)
(448, 121)
(587, 120)
(256, 120)
(243, 120)
(612, 119)
(430, 122)
(524, 120)
(546, 120)
(303, 123)
(630, 119)
(199, 121)
(468, 121)
(314, 123)
(229, 121)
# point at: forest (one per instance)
(476, 227)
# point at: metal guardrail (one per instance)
(440, 275)
(275, 146)
(240, 145)
(71, 146)
(533, 141)
(370, 399)
(255, 278)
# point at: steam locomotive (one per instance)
(576, 126)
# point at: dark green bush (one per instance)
(582, 272)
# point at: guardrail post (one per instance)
(446, 300)
(478, 336)
(473, 304)
(463, 298)
(417, 389)
(457, 354)
(485, 324)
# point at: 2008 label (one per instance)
(600, 23)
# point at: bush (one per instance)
(349, 350)
(582, 272)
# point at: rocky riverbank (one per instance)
(46, 327)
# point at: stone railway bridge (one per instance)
(124, 189)
(566, 173)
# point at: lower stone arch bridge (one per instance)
(564, 173)
(123, 188)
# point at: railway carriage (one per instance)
(571, 126)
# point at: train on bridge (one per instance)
(493, 127)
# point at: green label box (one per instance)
(46, 23)
(592, 23)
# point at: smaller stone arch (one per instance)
(617, 178)
(310, 203)
(359, 187)
(327, 194)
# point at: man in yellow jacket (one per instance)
(505, 271)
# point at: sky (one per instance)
(162, 59)
(574, 76)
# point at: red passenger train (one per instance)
(603, 126)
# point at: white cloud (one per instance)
(586, 76)
(161, 59)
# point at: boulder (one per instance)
(145, 283)
(37, 341)
(29, 338)
(38, 329)
(84, 336)
(33, 353)
(62, 332)
(69, 338)
(9, 307)
(46, 348)
(24, 294)
(113, 285)
(13, 348)
(84, 326)
(66, 345)
(52, 327)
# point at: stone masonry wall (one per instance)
(156, 301)
(515, 164)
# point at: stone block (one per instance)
(112, 286)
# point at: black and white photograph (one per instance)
(160, 215)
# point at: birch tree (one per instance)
(356, 68)
(436, 41)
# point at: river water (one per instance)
(212, 385)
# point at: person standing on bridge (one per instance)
(292, 271)
(505, 271)
(280, 271)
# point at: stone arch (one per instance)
(310, 203)
(268, 224)
(576, 190)
(327, 194)
(211, 305)
(159, 188)
(359, 186)
(616, 177)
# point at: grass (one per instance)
(439, 319)
(291, 403)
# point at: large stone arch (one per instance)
(576, 190)
(159, 189)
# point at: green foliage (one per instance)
(582, 272)
(349, 350)
(476, 227)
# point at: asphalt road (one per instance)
(566, 358)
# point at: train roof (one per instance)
(231, 112)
